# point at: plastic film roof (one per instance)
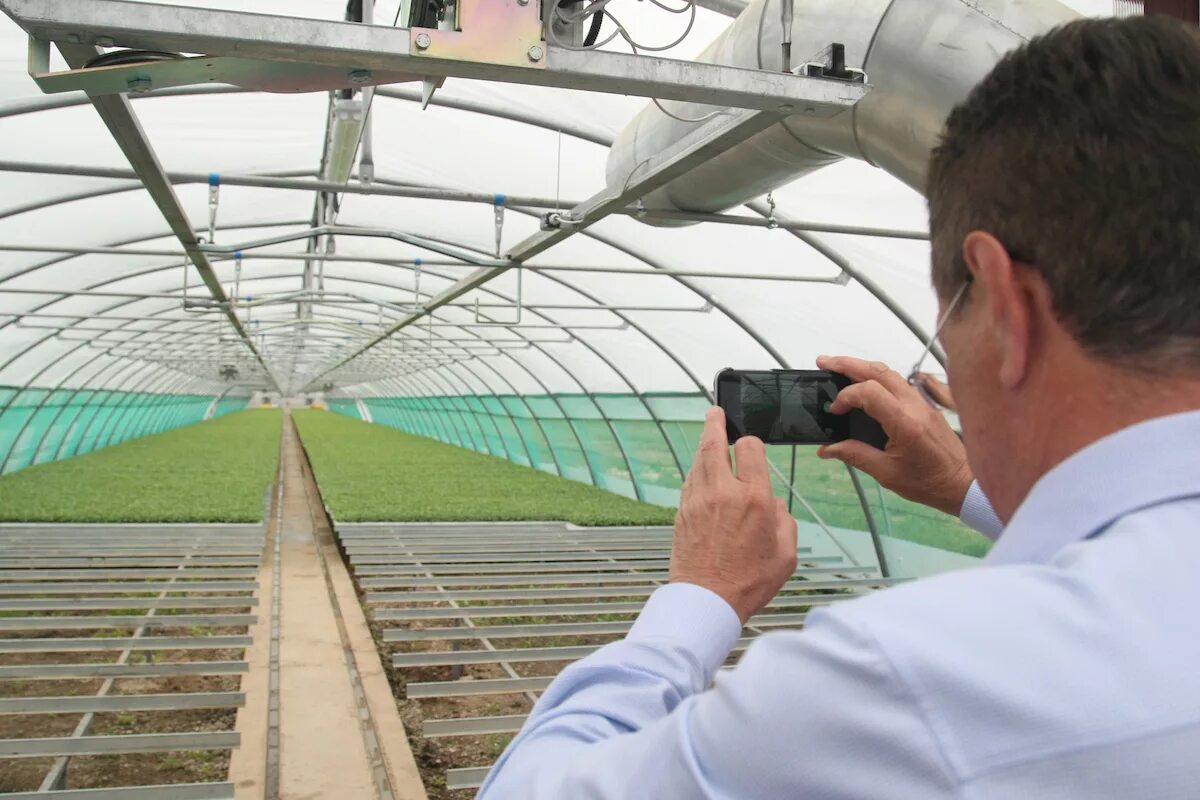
(64, 323)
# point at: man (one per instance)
(1066, 257)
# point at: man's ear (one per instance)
(1001, 288)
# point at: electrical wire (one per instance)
(600, 7)
(597, 11)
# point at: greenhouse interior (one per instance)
(322, 452)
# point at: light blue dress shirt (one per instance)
(1066, 666)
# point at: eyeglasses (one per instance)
(915, 378)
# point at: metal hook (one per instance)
(772, 223)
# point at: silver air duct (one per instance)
(921, 57)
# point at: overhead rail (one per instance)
(278, 44)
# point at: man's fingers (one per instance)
(712, 457)
(877, 401)
(752, 462)
(859, 370)
(854, 453)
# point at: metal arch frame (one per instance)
(546, 391)
(608, 421)
(419, 376)
(59, 386)
(148, 408)
(476, 445)
(29, 348)
(161, 381)
(604, 415)
(102, 367)
(599, 139)
(566, 285)
(63, 259)
(591, 397)
(533, 375)
(436, 414)
(521, 365)
(876, 291)
(160, 406)
(583, 388)
(869, 518)
(33, 346)
(117, 114)
(156, 378)
(465, 364)
(137, 371)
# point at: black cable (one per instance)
(124, 57)
(594, 32)
(597, 21)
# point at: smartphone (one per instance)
(791, 406)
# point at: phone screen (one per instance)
(782, 406)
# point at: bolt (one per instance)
(360, 75)
(423, 41)
(786, 106)
(74, 38)
(522, 2)
(104, 41)
(535, 53)
(139, 85)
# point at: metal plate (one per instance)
(492, 32)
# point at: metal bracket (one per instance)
(834, 68)
(507, 32)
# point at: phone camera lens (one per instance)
(827, 407)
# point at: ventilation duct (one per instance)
(921, 57)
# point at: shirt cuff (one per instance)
(978, 513)
(691, 617)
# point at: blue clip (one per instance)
(214, 179)
(499, 199)
(250, 297)
(417, 261)
(237, 256)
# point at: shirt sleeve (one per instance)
(814, 714)
(977, 512)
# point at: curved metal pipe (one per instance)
(116, 419)
(63, 381)
(136, 371)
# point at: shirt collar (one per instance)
(1139, 466)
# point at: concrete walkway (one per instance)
(326, 725)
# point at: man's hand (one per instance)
(731, 535)
(924, 461)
